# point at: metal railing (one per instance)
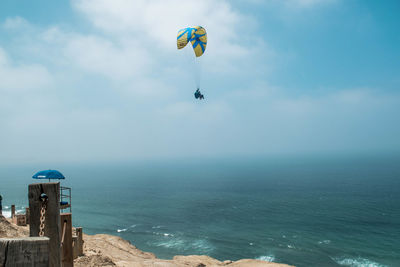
(65, 196)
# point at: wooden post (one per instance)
(52, 217)
(66, 240)
(27, 215)
(79, 234)
(26, 251)
(74, 246)
(20, 219)
(12, 211)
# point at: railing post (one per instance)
(79, 234)
(66, 240)
(27, 215)
(12, 211)
(20, 219)
(75, 246)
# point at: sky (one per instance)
(103, 81)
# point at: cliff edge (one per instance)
(108, 250)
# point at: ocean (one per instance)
(305, 211)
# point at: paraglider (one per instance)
(197, 36)
(198, 95)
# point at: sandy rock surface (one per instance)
(10, 230)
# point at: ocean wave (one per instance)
(173, 243)
(358, 262)
(269, 258)
(324, 242)
(198, 246)
(126, 229)
(202, 244)
(6, 213)
(163, 234)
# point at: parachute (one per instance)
(196, 35)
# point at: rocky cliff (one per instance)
(108, 250)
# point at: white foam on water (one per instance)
(6, 213)
(200, 245)
(290, 246)
(251, 244)
(163, 234)
(156, 227)
(172, 243)
(358, 262)
(203, 245)
(268, 258)
(324, 242)
(126, 229)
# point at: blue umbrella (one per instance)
(48, 174)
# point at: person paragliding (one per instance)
(197, 36)
(198, 95)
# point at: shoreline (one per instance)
(110, 250)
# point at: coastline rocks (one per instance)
(197, 261)
(107, 251)
(94, 260)
(123, 254)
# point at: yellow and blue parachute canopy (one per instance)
(196, 35)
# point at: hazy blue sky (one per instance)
(102, 80)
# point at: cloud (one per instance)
(102, 56)
(15, 23)
(159, 20)
(118, 89)
(294, 4)
(154, 25)
(307, 3)
(22, 77)
(345, 120)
